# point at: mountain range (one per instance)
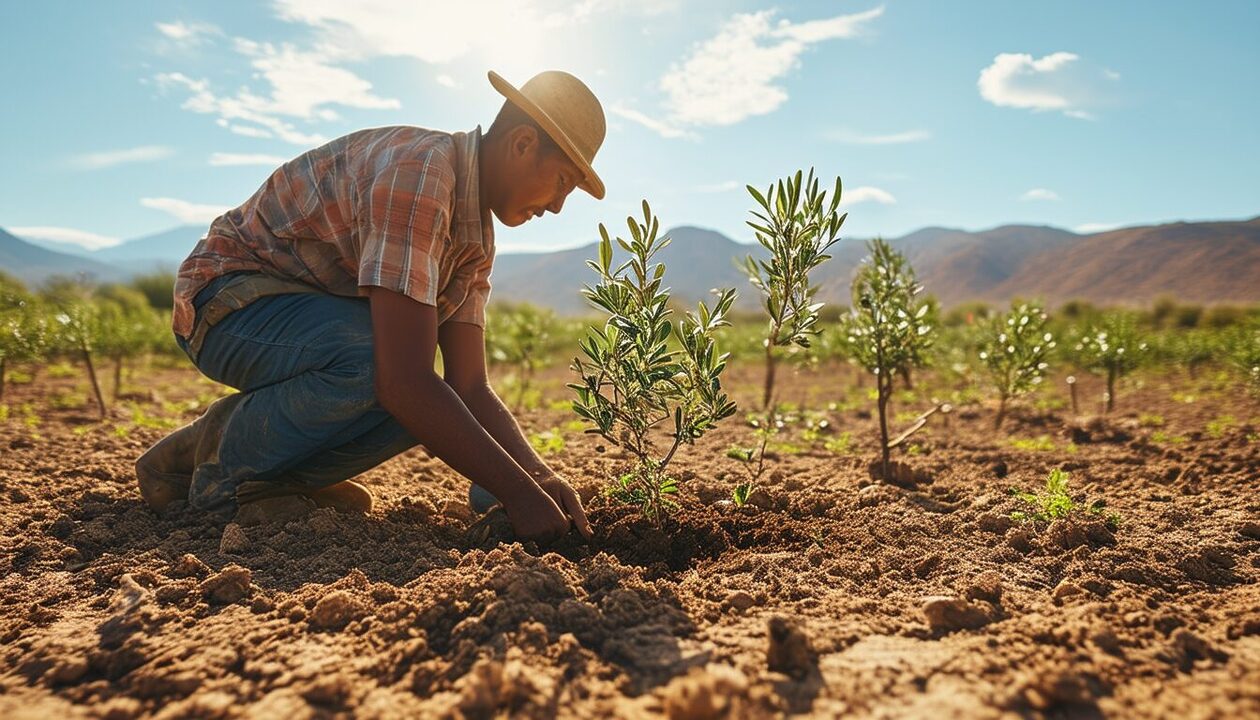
(1202, 262)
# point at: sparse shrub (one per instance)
(886, 328)
(632, 383)
(521, 336)
(80, 332)
(1054, 503)
(1114, 348)
(796, 224)
(1016, 347)
(1243, 350)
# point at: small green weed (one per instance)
(1054, 503)
(547, 442)
(1159, 437)
(1041, 443)
(1217, 428)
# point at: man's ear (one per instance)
(524, 140)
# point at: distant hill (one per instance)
(33, 264)
(166, 249)
(1204, 262)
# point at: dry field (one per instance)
(829, 595)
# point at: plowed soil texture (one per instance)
(832, 593)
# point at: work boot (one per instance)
(480, 499)
(345, 496)
(165, 471)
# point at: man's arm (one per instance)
(404, 342)
(464, 362)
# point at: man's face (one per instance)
(534, 181)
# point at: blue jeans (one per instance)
(309, 415)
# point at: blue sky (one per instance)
(127, 118)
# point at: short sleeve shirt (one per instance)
(394, 207)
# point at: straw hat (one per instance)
(568, 111)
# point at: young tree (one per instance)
(80, 331)
(126, 327)
(1113, 348)
(632, 383)
(796, 224)
(1016, 346)
(887, 328)
(521, 336)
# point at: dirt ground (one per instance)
(830, 595)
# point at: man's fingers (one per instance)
(573, 505)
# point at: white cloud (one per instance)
(1090, 228)
(221, 159)
(183, 33)
(245, 107)
(660, 127)
(854, 138)
(446, 80)
(732, 75)
(248, 130)
(184, 211)
(866, 193)
(1058, 81)
(301, 82)
(67, 236)
(110, 158)
(1039, 194)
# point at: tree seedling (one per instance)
(1114, 349)
(1015, 350)
(796, 224)
(519, 336)
(887, 327)
(633, 384)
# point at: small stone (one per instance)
(1250, 529)
(999, 469)
(189, 566)
(335, 610)
(234, 540)
(987, 586)
(228, 586)
(789, 651)
(947, 614)
(1066, 589)
(739, 600)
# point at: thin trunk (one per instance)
(1075, 406)
(2, 362)
(884, 380)
(771, 363)
(96, 386)
(1001, 413)
(118, 368)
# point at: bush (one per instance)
(1113, 348)
(1016, 346)
(887, 329)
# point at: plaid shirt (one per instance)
(392, 207)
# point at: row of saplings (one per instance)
(644, 374)
(70, 321)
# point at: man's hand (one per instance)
(568, 500)
(537, 517)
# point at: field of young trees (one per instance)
(890, 509)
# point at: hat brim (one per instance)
(590, 179)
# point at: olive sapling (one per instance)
(633, 384)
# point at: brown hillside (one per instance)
(1213, 262)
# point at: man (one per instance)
(325, 297)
